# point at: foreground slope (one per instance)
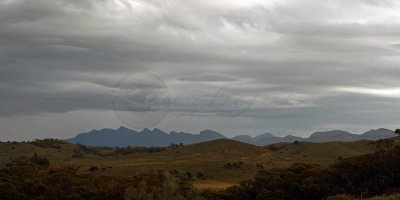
(217, 163)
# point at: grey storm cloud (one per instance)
(207, 78)
(300, 65)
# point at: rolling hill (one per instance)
(220, 162)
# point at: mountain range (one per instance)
(127, 137)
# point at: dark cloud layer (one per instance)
(302, 65)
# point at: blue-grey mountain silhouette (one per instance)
(127, 137)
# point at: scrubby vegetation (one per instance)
(81, 150)
(67, 171)
(233, 165)
(36, 178)
(48, 143)
(360, 176)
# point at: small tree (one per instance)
(37, 160)
(397, 132)
(93, 168)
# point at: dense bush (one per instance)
(361, 176)
(48, 143)
(35, 178)
(233, 165)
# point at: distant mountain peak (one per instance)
(145, 130)
(379, 130)
(105, 129)
(292, 137)
(211, 134)
(326, 133)
(208, 131)
(243, 137)
(376, 134)
(265, 135)
(123, 128)
(158, 131)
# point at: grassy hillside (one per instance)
(209, 160)
(59, 153)
(322, 153)
(216, 164)
(222, 162)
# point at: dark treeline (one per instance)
(48, 143)
(361, 176)
(113, 151)
(57, 144)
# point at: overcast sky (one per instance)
(237, 66)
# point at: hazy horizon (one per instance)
(253, 135)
